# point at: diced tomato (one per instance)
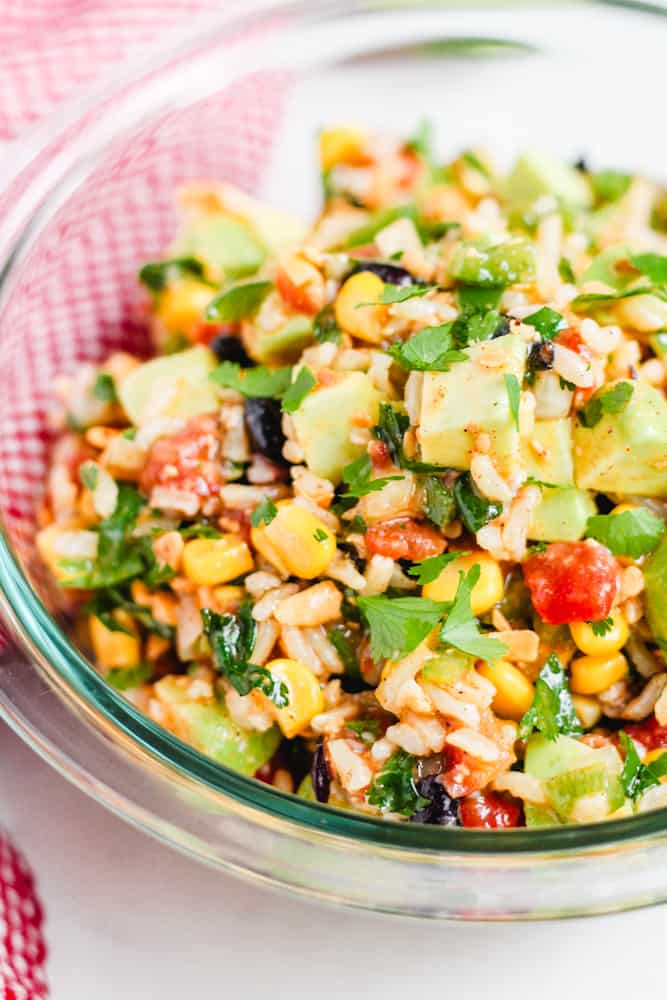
(572, 582)
(367, 250)
(411, 167)
(188, 460)
(404, 539)
(266, 772)
(649, 733)
(490, 811)
(379, 455)
(203, 332)
(306, 298)
(573, 340)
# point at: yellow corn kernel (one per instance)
(342, 145)
(621, 508)
(210, 561)
(295, 541)
(115, 649)
(589, 711)
(353, 314)
(181, 305)
(599, 645)
(592, 674)
(304, 692)
(655, 755)
(488, 590)
(514, 692)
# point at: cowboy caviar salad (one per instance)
(382, 521)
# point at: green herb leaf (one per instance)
(232, 639)
(536, 547)
(357, 477)
(472, 160)
(119, 557)
(398, 624)
(325, 327)
(393, 788)
(390, 429)
(632, 533)
(473, 299)
(598, 300)
(298, 390)
(653, 265)
(399, 293)
(238, 302)
(602, 627)
(89, 474)
(320, 535)
(610, 185)
(264, 512)
(422, 142)
(158, 274)
(613, 401)
(637, 777)
(428, 351)
(368, 730)
(514, 395)
(430, 569)
(461, 629)
(339, 639)
(105, 602)
(126, 678)
(104, 389)
(367, 233)
(566, 272)
(253, 382)
(547, 322)
(552, 712)
(438, 501)
(475, 510)
(199, 530)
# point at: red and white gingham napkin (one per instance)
(49, 51)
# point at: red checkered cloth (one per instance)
(77, 297)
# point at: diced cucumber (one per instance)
(561, 515)
(603, 268)
(282, 346)
(176, 385)
(305, 789)
(223, 244)
(566, 790)
(539, 816)
(493, 265)
(536, 174)
(551, 461)
(546, 758)
(445, 668)
(655, 579)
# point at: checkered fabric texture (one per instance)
(76, 297)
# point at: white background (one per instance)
(128, 918)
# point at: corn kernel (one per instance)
(295, 541)
(592, 674)
(181, 305)
(352, 313)
(115, 649)
(655, 755)
(622, 508)
(342, 145)
(488, 590)
(210, 561)
(589, 710)
(514, 692)
(305, 696)
(598, 645)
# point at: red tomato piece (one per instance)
(304, 298)
(404, 539)
(490, 811)
(572, 582)
(379, 455)
(649, 733)
(188, 460)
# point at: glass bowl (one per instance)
(239, 97)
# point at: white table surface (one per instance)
(127, 917)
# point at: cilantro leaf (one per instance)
(602, 627)
(390, 429)
(264, 512)
(320, 535)
(610, 185)
(298, 390)
(566, 272)
(473, 299)
(325, 327)
(632, 533)
(438, 501)
(552, 712)
(461, 629)
(398, 624)
(393, 788)
(399, 293)
(430, 569)
(547, 322)
(429, 350)
(597, 300)
(653, 265)
(357, 477)
(104, 389)
(637, 777)
(158, 274)
(89, 474)
(199, 530)
(514, 395)
(238, 302)
(253, 382)
(475, 510)
(125, 678)
(367, 233)
(232, 639)
(422, 142)
(339, 639)
(613, 401)
(105, 602)
(368, 730)
(472, 160)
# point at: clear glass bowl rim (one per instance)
(39, 634)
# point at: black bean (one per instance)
(442, 809)
(541, 356)
(392, 274)
(320, 776)
(229, 348)
(263, 418)
(502, 329)
(581, 165)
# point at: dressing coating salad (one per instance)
(382, 521)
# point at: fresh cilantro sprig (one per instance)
(104, 389)
(232, 639)
(514, 395)
(340, 640)
(264, 512)
(103, 604)
(613, 401)
(125, 678)
(652, 265)
(393, 788)
(566, 271)
(632, 533)
(461, 629)
(398, 624)
(238, 302)
(602, 627)
(298, 390)
(637, 777)
(430, 350)
(422, 142)
(547, 322)
(392, 294)
(588, 301)
(357, 477)
(552, 712)
(430, 569)
(475, 510)
(438, 501)
(253, 382)
(157, 275)
(390, 429)
(325, 327)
